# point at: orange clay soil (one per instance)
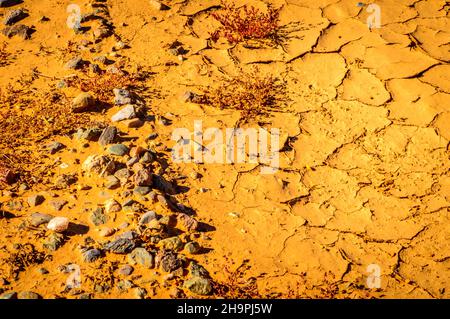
(364, 161)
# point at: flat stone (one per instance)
(143, 177)
(120, 246)
(89, 134)
(147, 217)
(14, 16)
(133, 123)
(171, 243)
(9, 295)
(9, 3)
(141, 257)
(55, 147)
(122, 97)
(28, 295)
(58, 204)
(142, 190)
(126, 270)
(112, 206)
(35, 200)
(108, 136)
(111, 182)
(20, 30)
(118, 149)
(91, 255)
(82, 103)
(74, 63)
(99, 164)
(168, 261)
(199, 286)
(58, 224)
(126, 113)
(38, 219)
(192, 247)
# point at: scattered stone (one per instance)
(192, 247)
(126, 270)
(147, 217)
(38, 219)
(124, 285)
(106, 232)
(142, 190)
(132, 161)
(58, 224)
(85, 296)
(9, 3)
(171, 243)
(112, 182)
(123, 175)
(112, 206)
(99, 164)
(168, 261)
(98, 217)
(14, 16)
(108, 136)
(143, 177)
(141, 257)
(74, 63)
(118, 149)
(35, 200)
(53, 241)
(82, 103)
(90, 134)
(163, 185)
(197, 271)
(8, 295)
(128, 112)
(199, 286)
(137, 151)
(140, 292)
(43, 271)
(58, 204)
(101, 32)
(20, 30)
(119, 45)
(122, 97)
(133, 123)
(190, 97)
(7, 176)
(157, 5)
(186, 222)
(65, 180)
(55, 147)
(91, 255)
(121, 246)
(147, 158)
(28, 295)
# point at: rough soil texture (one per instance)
(364, 165)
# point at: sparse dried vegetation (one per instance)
(102, 84)
(250, 93)
(246, 22)
(4, 55)
(24, 256)
(27, 118)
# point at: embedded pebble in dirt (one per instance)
(87, 177)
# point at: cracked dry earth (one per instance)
(364, 157)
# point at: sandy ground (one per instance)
(364, 171)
